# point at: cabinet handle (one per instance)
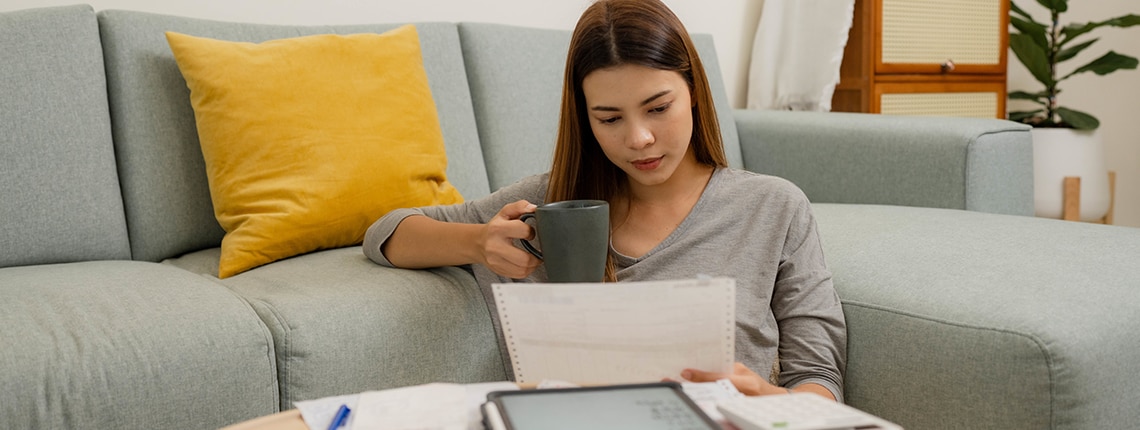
(948, 66)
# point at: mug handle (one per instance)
(526, 243)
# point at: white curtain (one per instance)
(797, 53)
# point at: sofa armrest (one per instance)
(983, 165)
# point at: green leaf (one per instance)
(1033, 57)
(1124, 21)
(1069, 53)
(1031, 28)
(1106, 64)
(1073, 30)
(1055, 5)
(1021, 116)
(1079, 120)
(1034, 97)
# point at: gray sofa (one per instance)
(962, 312)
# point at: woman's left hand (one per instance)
(746, 381)
(750, 384)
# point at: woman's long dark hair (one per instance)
(612, 33)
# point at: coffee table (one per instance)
(285, 420)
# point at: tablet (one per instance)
(653, 406)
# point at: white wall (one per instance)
(1114, 99)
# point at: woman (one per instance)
(638, 129)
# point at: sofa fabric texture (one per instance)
(363, 326)
(124, 344)
(978, 165)
(64, 207)
(961, 312)
(1025, 322)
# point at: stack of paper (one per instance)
(611, 333)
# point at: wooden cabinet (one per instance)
(926, 57)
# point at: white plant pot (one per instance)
(1061, 152)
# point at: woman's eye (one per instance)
(661, 108)
(610, 120)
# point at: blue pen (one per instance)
(340, 418)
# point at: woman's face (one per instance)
(643, 119)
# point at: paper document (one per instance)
(420, 407)
(318, 413)
(430, 406)
(626, 332)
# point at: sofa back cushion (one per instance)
(516, 86)
(59, 193)
(162, 169)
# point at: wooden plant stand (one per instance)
(1071, 200)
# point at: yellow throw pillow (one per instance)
(309, 140)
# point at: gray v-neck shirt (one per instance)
(757, 229)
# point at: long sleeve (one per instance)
(479, 211)
(759, 230)
(813, 332)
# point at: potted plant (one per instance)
(1064, 140)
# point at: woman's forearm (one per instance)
(420, 242)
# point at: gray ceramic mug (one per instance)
(575, 237)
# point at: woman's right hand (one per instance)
(496, 242)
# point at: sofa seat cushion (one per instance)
(1043, 315)
(342, 324)
(58, 186)
(121, 344)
